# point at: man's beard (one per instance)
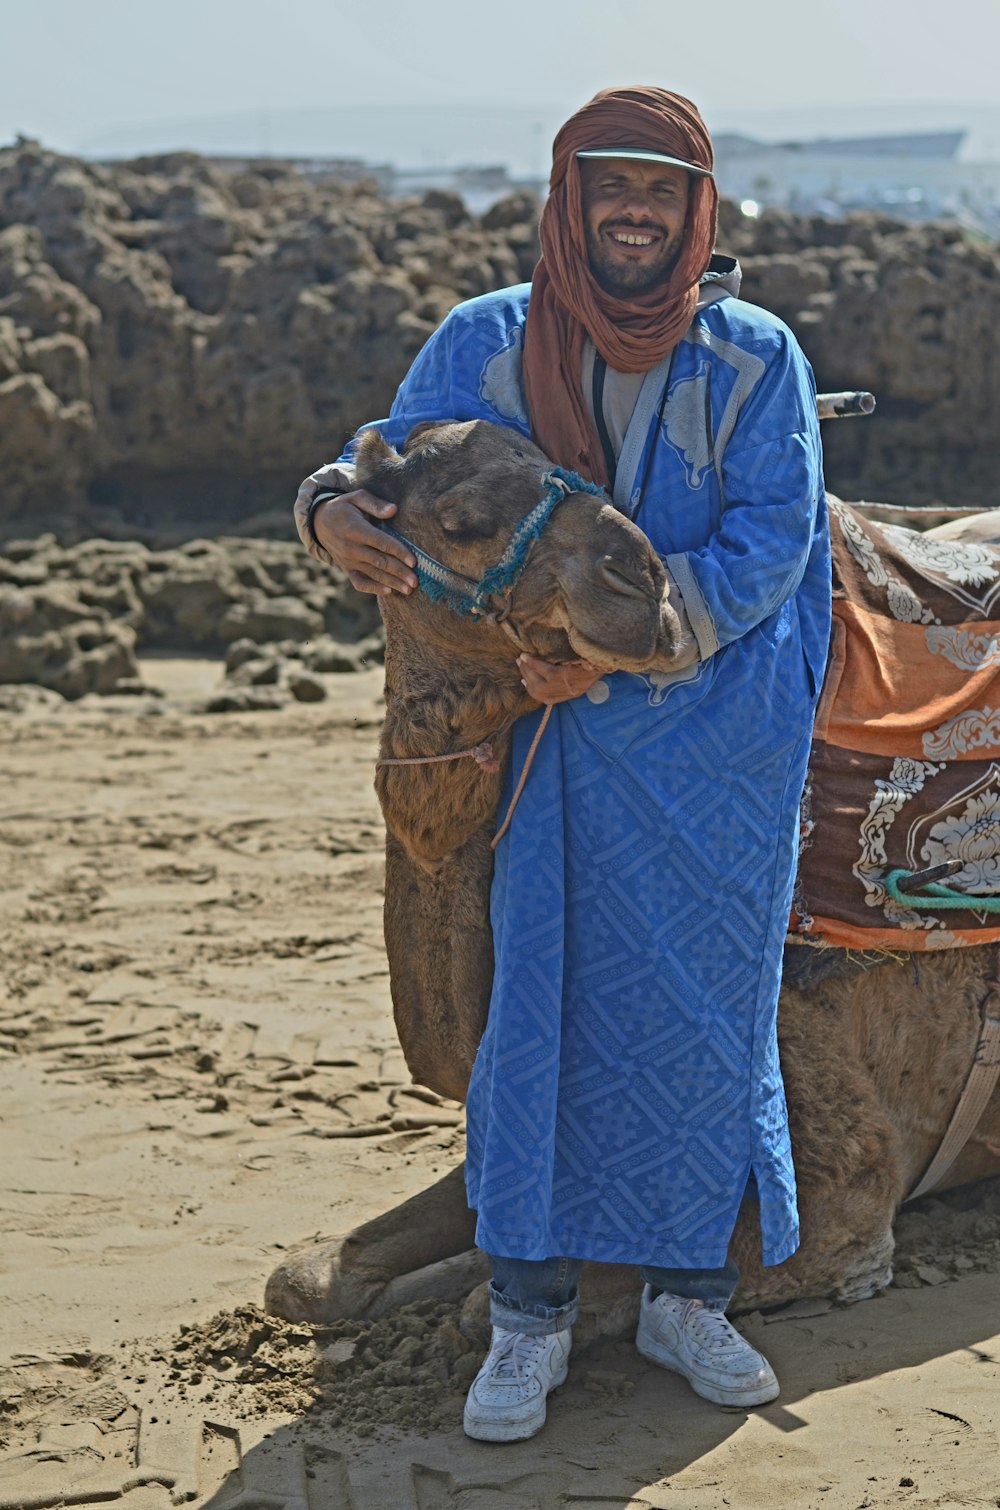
(623, 279)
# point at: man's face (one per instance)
(633, 213)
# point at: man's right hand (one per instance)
(373, 561)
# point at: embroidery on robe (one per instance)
(500, 385)
(684, 426)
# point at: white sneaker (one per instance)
(690, 1339)
(506, 1401)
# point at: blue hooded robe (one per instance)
(627, 1087)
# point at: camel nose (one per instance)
(623, 576)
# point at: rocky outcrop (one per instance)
(260, 677)
(72, 619)
(179, 344)
(183, 343)
(51, 638)
(911, 312)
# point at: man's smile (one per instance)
(633, 236)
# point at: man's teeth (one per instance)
(630, 238)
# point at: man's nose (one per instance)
(637, 200)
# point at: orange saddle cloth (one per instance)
(905, 765)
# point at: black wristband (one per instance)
(321, 497)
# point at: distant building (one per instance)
(914, 144)
(918, 176)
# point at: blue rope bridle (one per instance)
(464, 595)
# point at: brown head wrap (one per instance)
(567, 303)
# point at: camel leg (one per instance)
(872, 1065)
(440, 989)
(419, 1249)
(846, 1149)
(845, 1250)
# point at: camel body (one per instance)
(873, 1061)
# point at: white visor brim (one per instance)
(646, 155)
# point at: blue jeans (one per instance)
(539, 1295)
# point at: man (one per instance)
(627, 1092)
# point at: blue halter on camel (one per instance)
(464, 595)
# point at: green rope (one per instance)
(937, 897)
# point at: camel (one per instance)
(873, 1059)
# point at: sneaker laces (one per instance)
(513, 1356)
(713, 1329)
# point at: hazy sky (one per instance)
(73, 73)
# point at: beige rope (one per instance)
(505, 825)
(483, 753)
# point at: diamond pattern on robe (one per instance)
(628, 1080)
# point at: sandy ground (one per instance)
(195, 1013)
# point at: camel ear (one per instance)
(420, 434)
(374, 457)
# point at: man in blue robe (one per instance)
(627, 1092)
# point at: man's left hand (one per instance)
(555, 681)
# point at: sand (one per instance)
(198, 1070)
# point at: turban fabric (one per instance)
(568, 304)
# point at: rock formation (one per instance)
(72, 618)
(179, 342)
(911, 312)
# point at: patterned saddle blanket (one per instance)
(905, 765)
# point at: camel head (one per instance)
(592, 586)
